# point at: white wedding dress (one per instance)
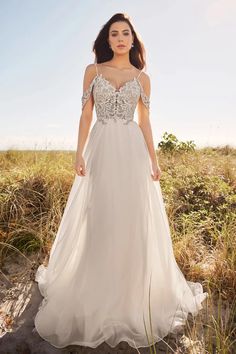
(112, 264)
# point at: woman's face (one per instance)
(120, 37)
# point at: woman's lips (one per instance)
(121, 46)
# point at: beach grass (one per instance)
(199, 190)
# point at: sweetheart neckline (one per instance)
(135, 79)
(112, 86)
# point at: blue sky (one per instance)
(46, 45)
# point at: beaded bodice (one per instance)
(115, 104)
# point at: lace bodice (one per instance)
(111, 103)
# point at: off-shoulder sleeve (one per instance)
(86, 94)
(145, 99)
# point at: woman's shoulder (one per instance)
(90, 68)
(144, 78)
(90, 72)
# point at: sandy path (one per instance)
(19, 301)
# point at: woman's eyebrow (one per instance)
(122, 30)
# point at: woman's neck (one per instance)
(120, 63)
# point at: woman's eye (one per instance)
(126, 34)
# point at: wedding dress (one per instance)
(112, 265)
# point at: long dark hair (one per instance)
(104, 53)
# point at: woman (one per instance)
(112, 264)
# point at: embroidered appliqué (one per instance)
(112, 103)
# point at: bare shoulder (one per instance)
(89, 74)
(146, 82)
(90, 70)
(145, 78)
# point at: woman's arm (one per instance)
(145, 125)
(85, 119)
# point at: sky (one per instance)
(47, 44)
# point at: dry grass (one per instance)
(199, 192)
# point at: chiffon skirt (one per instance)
(112, 275)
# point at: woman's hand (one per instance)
(156, 171)
(80, 166)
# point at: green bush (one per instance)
(170, 143)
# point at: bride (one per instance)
(112, 275)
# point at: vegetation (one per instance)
(170, 143)
(198, 187)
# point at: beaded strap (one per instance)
(145, 99)
(87, 93)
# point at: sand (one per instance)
(19, 301)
